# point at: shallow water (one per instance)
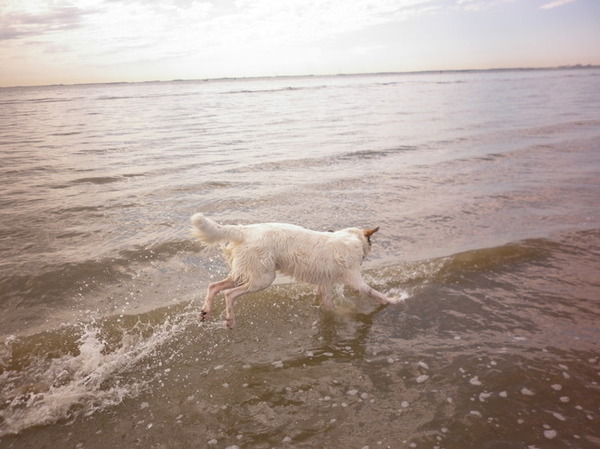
(486, 190)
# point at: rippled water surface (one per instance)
(486, 190)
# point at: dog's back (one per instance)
(306, 255)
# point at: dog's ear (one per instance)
(369, 232)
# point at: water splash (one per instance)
(76, 376)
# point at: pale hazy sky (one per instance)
(78, 41)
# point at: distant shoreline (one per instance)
(273, 77)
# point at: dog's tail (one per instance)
(209, 232)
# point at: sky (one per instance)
(89, 41)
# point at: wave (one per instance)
(457, 267)
(153, 96)
(53, 284)
(275, 90)
(327, 160)
(374, 154)
(96, 180)
(508, 256)
(79, 370)
(67, 133)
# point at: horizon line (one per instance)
(258, 77)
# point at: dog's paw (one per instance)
(204, 315)
(399, 298)
(229, 323)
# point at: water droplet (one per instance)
(422, 378)
(526, 391)
(550, 434)
(475, 381)
(484, 396)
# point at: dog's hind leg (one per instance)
(232, 294)
(211, 292)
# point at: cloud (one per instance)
(304, 22)
(121, 24)
(19, 24)
(479, 5)
(129, 30)
(556, 4)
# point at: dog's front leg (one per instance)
(324, 291)
(365, 289)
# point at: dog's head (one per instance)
(364, 235)
(368, 233)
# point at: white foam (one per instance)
(422, 378)
(484, 396)
(550, 434)
(48, 390)
(475, 381)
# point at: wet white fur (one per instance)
(257, 252)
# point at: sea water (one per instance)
(486, 189)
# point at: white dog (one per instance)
(256, 252)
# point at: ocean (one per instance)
(486, 189)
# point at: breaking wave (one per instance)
(78, 370)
